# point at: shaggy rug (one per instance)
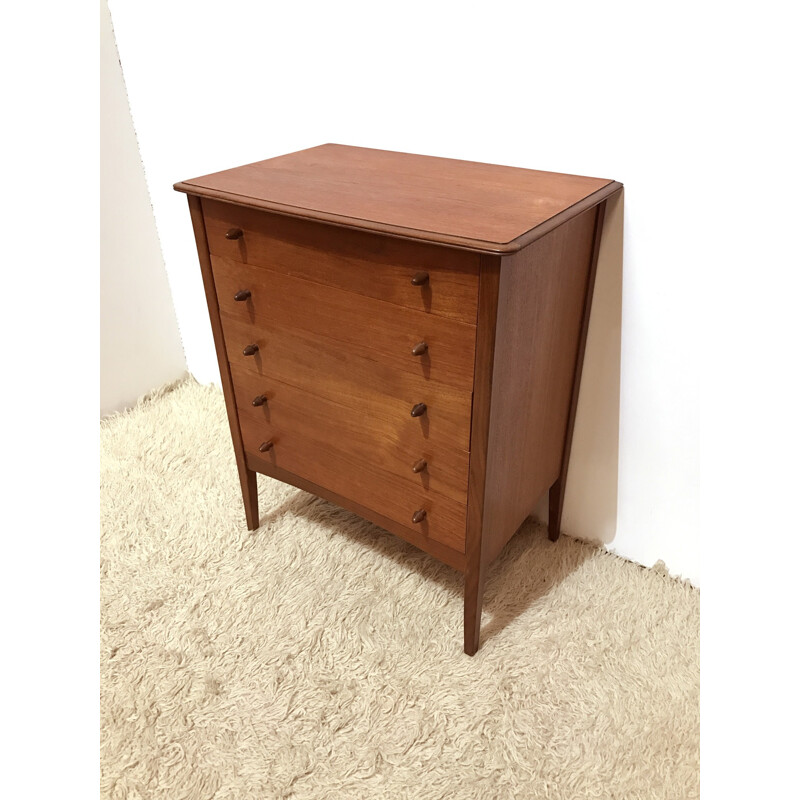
(321, 657)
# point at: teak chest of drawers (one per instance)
(403, 335)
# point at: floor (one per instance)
(321, 657)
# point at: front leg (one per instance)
(474, 581)
(247, 478)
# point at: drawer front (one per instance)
(368, 264)
(343, 473)
(362, 326)
(322, 366)
(372, 430)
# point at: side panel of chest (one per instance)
(541, 302)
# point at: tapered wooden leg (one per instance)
(474, 580)
(556, 506)
(247, 478)
(475, 544)
(250, 496)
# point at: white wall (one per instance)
(140, 346)
(615, 90)
(590, 504)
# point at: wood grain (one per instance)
(558, 489)
(362, 326)
(477, 561)
(365, 263)
(454, 202)
(373, 430)
(540, 307)
(247, 477)
(412, 535)
(364, 284)
(340, 470)
(320, 366)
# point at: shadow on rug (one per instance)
(320, 657)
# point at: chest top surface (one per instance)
(483, 207)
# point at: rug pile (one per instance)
(320, 657)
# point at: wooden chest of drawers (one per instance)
(403, 335)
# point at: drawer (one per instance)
(376, 266)
(375, 431)
(321, 366)
(372, 487)
(372, 329)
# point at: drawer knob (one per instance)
(419, 349)
(260, 400)
(234, 233)
(240, 297)
(265, 447)
(419, 516)
(420, 279)
(420, 466)
(250, 350)
(418, 410)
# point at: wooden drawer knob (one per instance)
(420, 466)
(250, 350)
(418, 410)
(420, 279)
(265, 447)
(234, 233)
(260, 400)
(419, 516)
(240, 297)
(419, 349)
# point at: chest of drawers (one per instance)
(403, 335)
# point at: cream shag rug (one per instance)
(320, 657)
